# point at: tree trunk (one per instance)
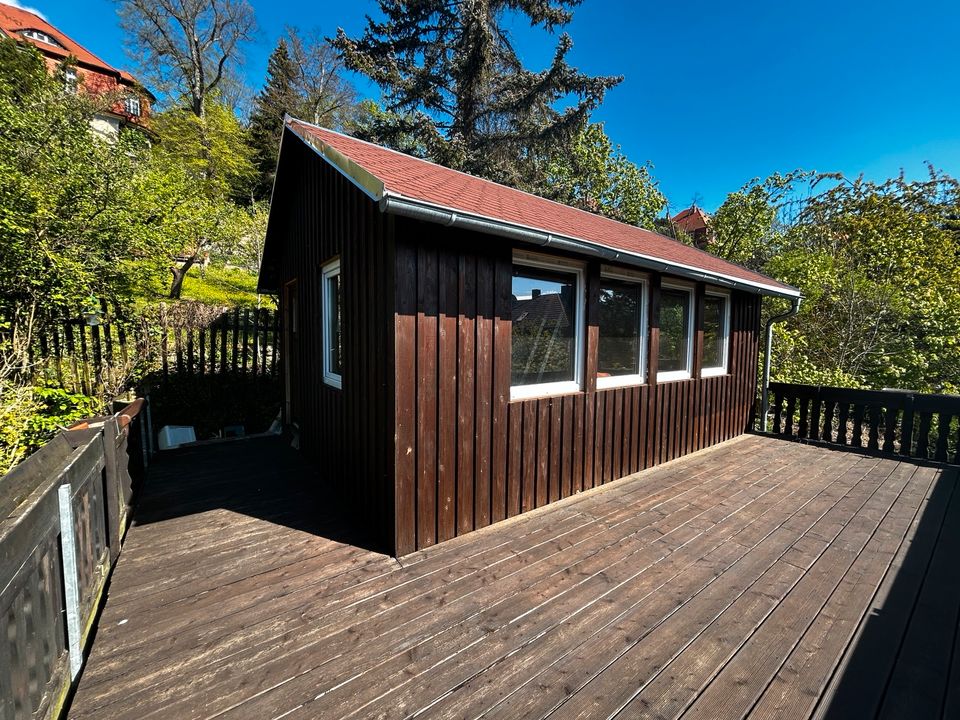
(179, 273)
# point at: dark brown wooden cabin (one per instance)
(457, 352)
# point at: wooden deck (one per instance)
(761, 579)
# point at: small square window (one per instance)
(622, 332)
(546, 345)
(716, 333)
(332, 342)
(676, 333)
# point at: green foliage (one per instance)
(213, 150)
(879, 269)
(30, 416)
(595, 176)
(453, 82)
(742, 228)
(80, 214)
(222, 286)
(17, 407)
(57, 409)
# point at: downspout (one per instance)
(765, 390)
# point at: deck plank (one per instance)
(740, 579)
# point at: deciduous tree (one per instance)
(595, 176)
(188, 48)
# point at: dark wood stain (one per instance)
(350, 431)
(513, 456)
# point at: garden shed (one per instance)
(457, 352)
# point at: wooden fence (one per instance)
(63, 513)
(186, 338)
(891, 422)
(235, 341)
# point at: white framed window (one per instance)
(70, 80)
(675, 360)
(131, 105)
(716, 333)
(332, 343)
(40, 36)
(622, 320)
(547, 312)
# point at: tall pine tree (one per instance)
(279, 96)
(455, 89)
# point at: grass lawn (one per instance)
(221, 286)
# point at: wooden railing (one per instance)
(63, 512)
(892, 422)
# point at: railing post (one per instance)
(71, 579)
(112, 494)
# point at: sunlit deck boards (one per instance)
(762, 578)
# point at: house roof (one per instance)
(410, 186)
(691, 219)
(14, 20)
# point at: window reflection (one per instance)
(544, 326)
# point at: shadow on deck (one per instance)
(760, 578)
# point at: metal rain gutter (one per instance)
(418, 210)
(765, 389)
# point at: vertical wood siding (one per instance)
(349, 431)
(466, 456)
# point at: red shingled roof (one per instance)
(415, 179)
(13, 20)
(691, 219)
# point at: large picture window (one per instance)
(676, 333)
(332, 344)
(716, 333)
(622, 331)
(546, 344)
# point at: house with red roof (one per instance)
(695, 222)
(85, 72)
(458, 352)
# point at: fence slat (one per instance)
(842, 420)
(828, 410)
(889, 429)
(236, 337)
(943, 435)
(874, 439)
(246, 338)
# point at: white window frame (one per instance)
(329, 270)
(131, 105)
(643, 281)
(724, 337)
(672, 375)
(548, 262)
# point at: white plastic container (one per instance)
(172, 436)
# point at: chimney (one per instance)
(535, 293)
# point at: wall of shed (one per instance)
(466, 456)
(348, 432)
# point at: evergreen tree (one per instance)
(454, 85)
(279, 96)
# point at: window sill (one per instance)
(529, 392)
(334, 381)
(673, 376)
(618, 381)
(713, 372)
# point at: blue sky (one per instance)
(714, 93)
